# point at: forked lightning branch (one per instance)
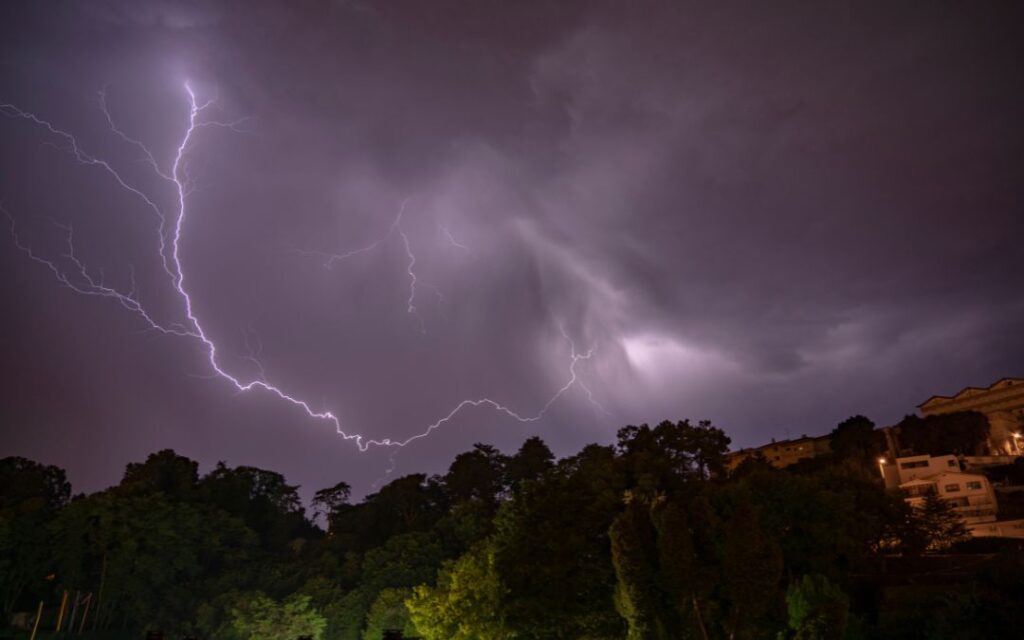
(70, 271)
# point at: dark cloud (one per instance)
(162, 14)
(770, 217)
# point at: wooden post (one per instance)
(74, 611)
(85, 614)
(35, 627)
(63, 607)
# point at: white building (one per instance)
(896, 473)
(970, 494)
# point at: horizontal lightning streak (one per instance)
(87, 285)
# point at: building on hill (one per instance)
(899, 471)
(1002, 403)
(970, 494)
(782, 453)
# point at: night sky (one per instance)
(769, 215)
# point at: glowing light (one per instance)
(655, 354)
(81, 281)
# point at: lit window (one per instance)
(950, 488)
(914, 465)
(973, 486)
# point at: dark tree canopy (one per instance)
(855, 438)
(963, 432)
(672, 453)
(533, 460)
(330, 501)
(164, 471)
(477, 476)
(28, 484)
(647, 539)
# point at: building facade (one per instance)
(902, 470)
(1003, 405)
(970, 494)
(782, 453)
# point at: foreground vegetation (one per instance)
(649, 538)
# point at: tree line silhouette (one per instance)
(647, 538)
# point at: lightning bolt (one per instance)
(73, 147)
(396, 228)
(71, 272)
(80, 281)
(452, 241)
(331, 258)
(149, 157)
(254, 346)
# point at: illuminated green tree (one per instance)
(817, 609)
(639, 597)
(389, 612)
(255, 616)
(465, 604)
